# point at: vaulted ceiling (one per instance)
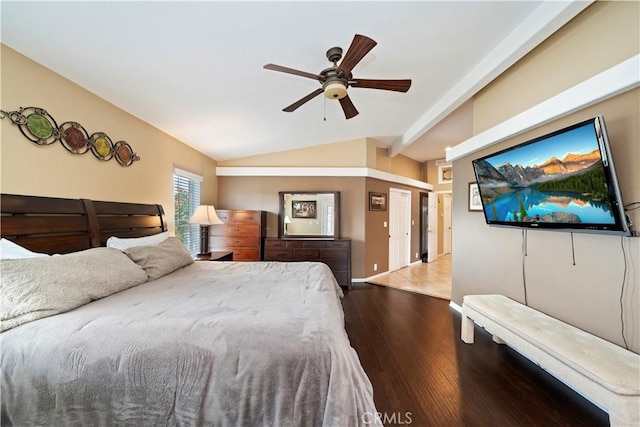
(195, 69)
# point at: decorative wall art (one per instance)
(377, 201)
(40, 127)
(303, 209)
(475, 201)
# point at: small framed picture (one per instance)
(303, 209)
(475, 201)
(377, 201)
(445, 174)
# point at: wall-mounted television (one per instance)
(564, 180)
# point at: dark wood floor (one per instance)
(424, 375)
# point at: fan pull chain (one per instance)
(325, 108)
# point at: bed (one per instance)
(211, 343)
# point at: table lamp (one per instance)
(205, 215)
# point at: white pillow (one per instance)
(10, 250)
(122, 244)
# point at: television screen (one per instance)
(564, 181)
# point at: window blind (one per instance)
(186, 195)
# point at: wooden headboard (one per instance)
(53, 225)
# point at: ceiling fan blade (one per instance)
(395, 85)
(301, 101)
(288, 70)
(348, 107)
(360, 46)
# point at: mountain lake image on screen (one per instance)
(564, 180)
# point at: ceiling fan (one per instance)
(336, 79)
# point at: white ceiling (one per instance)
(194, 69)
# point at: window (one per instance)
(186, 196)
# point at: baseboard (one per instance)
(455, 306)
(366, 279)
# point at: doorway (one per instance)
(428, 227)
(399, 228)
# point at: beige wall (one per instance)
(489, 259)
(603, 35)
(352, 153)
(361, 152)
(370, 240)
(261, 193)
(398, 165)
(27, 168)
(377, 235)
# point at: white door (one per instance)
(446, 224)
(399, 228)
(432, 227)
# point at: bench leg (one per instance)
(466, 329)
(498, 340)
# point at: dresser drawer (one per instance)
(307, 254)
(216, 242)
(334, 253)
(338, 244)
(240, 230)
(275, 244)
(246, 217)
(224, 215)
(246, 254)
(277, 254)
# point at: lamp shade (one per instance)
(205, 215)
(287, 220)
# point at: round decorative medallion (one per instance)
(39, 126)
(74, 138)
(101, 146)
(124, 153)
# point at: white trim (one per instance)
(455, 306)
(545, 20)
(616, 80)
(318, 171)
(375, 276)
(187, 174)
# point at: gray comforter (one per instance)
(224, 344)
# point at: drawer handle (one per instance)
(235, 229)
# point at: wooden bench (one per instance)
(606, 374)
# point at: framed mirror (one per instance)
(309, 214)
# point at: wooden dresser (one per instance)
(336, 253)
(243, 233)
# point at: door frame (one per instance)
(447, 198)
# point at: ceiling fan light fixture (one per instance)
(335, 90)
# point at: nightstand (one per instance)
(216, 256)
